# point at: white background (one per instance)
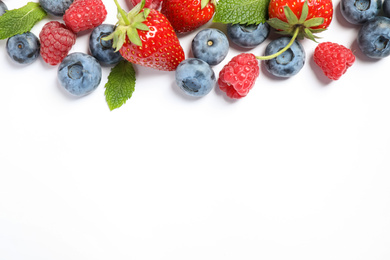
(298, 169)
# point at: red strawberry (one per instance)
(56, 41)
(85, 14)
(301, 17)
(188, 15)
(152, 4)
(145, 37)
(334, 59)
(238, 76)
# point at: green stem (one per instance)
(282, 50)
(122, 12)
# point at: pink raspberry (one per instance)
(238, 76)
(85, 14)
(152, 4)
(56, 41)
(334, 59)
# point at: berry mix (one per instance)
(147, 35)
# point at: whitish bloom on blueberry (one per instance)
(55, 7)
(23, 48)
(79, 73)
(195, 77)
(360, 11)
(210, 45)
(288, 63)
(374, 37)
(102, 50)
(248, 36)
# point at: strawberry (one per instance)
(188, 15)
(145, 37)
(301, 17)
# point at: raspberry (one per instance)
(334, 59)
(238, 76)
(152, 4)
(56, 41)
(85, 14)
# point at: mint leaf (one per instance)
(18, 21)
(120, 85)
(241, 11)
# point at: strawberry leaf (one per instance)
(291, 17)
(141, 26)
(128, 24)
(120, 85)
(314, 22)
(304, 13)
(241, 11)
(146, 12)
(133, 35)
(310, 35)
(278, 24)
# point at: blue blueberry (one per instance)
(79, 73)
(210, 45)
(287, 64)
(360, 11)
(386, 8)
(55, 7)
(3, 8)
(374, 37)
(102, 50)
(23, 48)
(195, 77)
(248, 36)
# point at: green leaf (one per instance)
(21, 20)
(291, 17)
(146, 12)
(313, 22)
(317, 30)
(136, 9)
(203, 3)
(141, 26)
(133, 36)
(241, 11)
(278, 24)
(310, 35)
(120, 85)
(304, 13)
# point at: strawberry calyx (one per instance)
(128, 25)
(297, 28)
(305, 27)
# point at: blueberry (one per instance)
(248, 36)
(79, 73)
(23, 48)
(55, 7)
(195, 77)
(374, 37)
(360, 11)
(102, 50)
(386, 8)
(3, 8)
(287, 64)
(210, 45)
